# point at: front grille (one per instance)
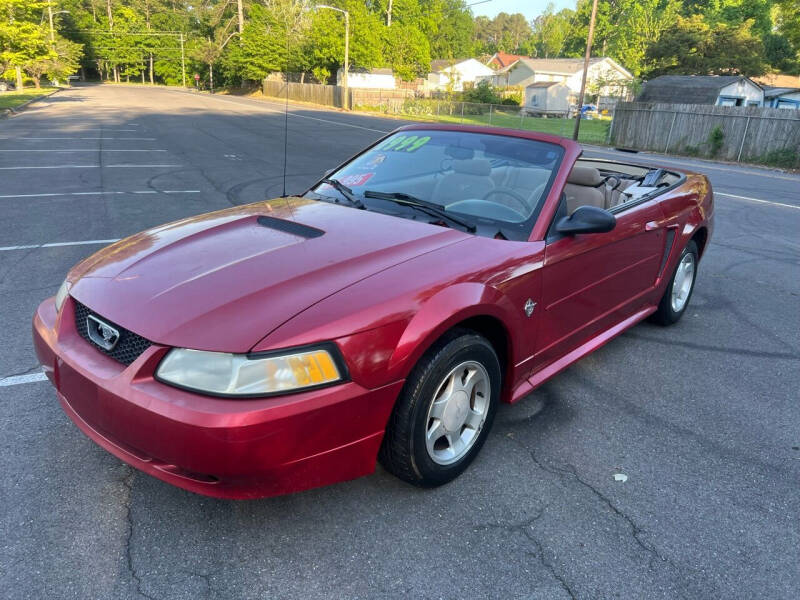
(129, 347)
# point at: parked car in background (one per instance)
(6, 86)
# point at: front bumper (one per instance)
(218, 447)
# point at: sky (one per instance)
(529, 8)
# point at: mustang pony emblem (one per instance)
(101, 333)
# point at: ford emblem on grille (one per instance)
(101, 333)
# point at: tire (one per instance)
(669, 312)
(436, 391)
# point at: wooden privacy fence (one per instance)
(331, 95)
(328, 95)
(748, 133)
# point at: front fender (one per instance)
(441, 312)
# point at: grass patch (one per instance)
(14, 99)
(593, 131)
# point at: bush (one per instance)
(715, 140)
(483, 93)
(784, 159)
(513, 99)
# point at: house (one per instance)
(781, 97)
(605, 77)
(547, 97)
(720, 90)
(453, 74)
(501, 60)
(367, 79)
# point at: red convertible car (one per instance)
(382, 315)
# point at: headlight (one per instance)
(249, 375)
(61, 295)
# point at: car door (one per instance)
(590, 282)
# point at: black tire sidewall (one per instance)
(462, 349)
(671, 315)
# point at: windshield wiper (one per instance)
(344, 191)
(434, 210)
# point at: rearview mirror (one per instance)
(587, 219)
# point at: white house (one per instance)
(453, 74)
(605, 77)
(371, 79)
(547, 97)
(721, 90)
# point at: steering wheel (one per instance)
(512, 194)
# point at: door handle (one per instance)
(652, 226)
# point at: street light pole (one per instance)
(346, 99)
(585, 71)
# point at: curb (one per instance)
(7, 112)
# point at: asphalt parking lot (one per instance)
(701, 417)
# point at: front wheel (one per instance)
(676, 297)
(444, 412)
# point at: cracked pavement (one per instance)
(702, 417)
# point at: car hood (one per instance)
(224, 280)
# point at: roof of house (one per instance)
(365, 71)
(687, 89)
(503, 59)
(445, 63)
(544, 84)
(562, 66)
(772, 91)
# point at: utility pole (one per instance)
(50, 15)
(183, 63)
(241, 16)
(585, 70)
(389, 15)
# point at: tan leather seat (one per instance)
(584, 188)
(469, 179)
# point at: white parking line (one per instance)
(86, 150)
(101, 193)
(19, 379)
(57, 244)
(90, 167)
(147, 139)
(747, 198)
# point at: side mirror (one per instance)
(587, 219)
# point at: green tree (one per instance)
(693, 47)
(407, 51)
(549, 33)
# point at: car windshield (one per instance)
(495, 183)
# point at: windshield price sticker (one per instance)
(356, 180)
(403, 143)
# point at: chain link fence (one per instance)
(593, 130)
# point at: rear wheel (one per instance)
(444, 412)
(676, 297)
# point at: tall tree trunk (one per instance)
(240, 14)
(142, 74)
(19, 77)
(36, 82)
(110, 15)
(211, 76)
(151, 69)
